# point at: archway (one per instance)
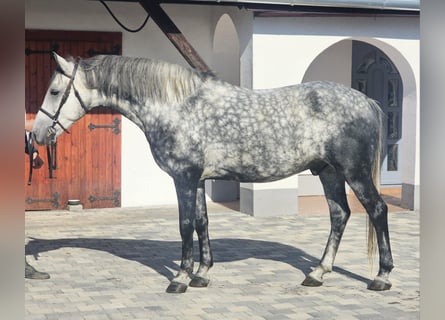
(226, 64)
(226, 47)
(323, 68)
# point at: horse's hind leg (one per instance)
(334, 188)
(206, 259)
(377, 210)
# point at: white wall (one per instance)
(333, 64)
(284, 48)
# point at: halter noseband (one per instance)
(55, 117)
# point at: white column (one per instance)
(277, 198)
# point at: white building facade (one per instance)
(261, 51)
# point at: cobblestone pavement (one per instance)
(117, 263)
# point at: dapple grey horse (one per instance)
(200, 127)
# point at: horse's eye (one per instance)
(54, 92)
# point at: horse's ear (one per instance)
(65, 66)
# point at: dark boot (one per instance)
(32, 273)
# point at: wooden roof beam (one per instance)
(175, 36)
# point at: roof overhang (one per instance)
(359, 4)
(317, 7)
(310, 7)
(396, 5)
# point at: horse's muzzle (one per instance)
(46, 137)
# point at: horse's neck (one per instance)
(147, 116)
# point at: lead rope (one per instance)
(51, 153)
(28, 141)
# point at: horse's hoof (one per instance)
(380, 285)
(176, 287)
(199, 282)
(311, 282)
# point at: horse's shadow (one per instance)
(161, 255)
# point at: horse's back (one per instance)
(332, 101)
(273, 133)
(312, 114)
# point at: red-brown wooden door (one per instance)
(88, 159)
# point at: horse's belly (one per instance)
(252, 167)
(250, 174)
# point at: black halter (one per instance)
(51, 150)
(55, 117)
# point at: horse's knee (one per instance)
(201, 224)
(187, 227)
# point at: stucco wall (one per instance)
(284, 48)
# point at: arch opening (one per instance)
(344, 53)
(226, 65)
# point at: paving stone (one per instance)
(116, 264)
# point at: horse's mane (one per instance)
(139, 80)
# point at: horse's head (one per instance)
(65, 102)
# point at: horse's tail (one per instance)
(372, 243)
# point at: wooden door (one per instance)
(89, 159)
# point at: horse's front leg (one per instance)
(201, 278)
(186, 192)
